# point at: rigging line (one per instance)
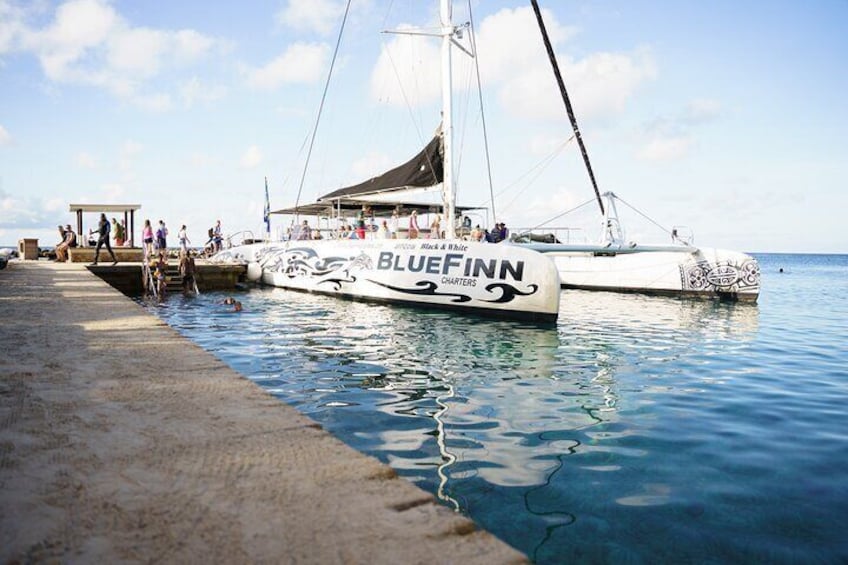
(566, 100)
(320, 110)
(538, 168)
(412, 117)
(415, 122)
(465, 129)
(558, 216)
(472, 37)
(541, 164)
(644, 215)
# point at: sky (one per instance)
(729, 118)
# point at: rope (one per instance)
(482, 114)
(318, 117)
(538, 168)
(558, 216)
(666, 230)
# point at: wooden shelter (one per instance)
(128, 210)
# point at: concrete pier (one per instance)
(121, 441)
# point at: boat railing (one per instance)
(682, 234)
(244, 237)
(565, 235)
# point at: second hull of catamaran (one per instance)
(679, 270)
(503, 281)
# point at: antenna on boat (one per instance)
(565, 99)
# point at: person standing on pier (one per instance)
(147, 239)
(184, 240)
(162, 236)
(103, 229)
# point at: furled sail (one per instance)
(425, 169)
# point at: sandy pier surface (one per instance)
(121, 441)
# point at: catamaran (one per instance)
(442, 271)
(615, 263)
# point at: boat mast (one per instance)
(565, 99)
(449, 194)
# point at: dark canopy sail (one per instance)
(425, 169)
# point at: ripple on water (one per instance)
(640, 429)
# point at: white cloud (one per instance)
(251, 158)
(112, 192)
(85, 160)
(513, 60)
(11, 25)
(89, 43)
(509, 40)
(666, 148)
(193, 91)
(5, 138)
(190, 45)
(370, 165)
(137, 52)
(407, 71)
(702, 110)
(199, 160)
(320, 16)
(153, 102)
(514, 64)
(129, 150)
(301, 63)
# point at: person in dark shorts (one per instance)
(103, 229)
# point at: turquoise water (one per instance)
(639, 430)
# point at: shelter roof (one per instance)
(104, 207)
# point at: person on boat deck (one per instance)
(147, 238)
(504, 233)
(383, 230)
(393, 225)
(350, 233)
(495, 233)
(413, 225)
(218, 235)
(360, 223)
(477, 233)
(103, 229)
(125, 232)
(436, 228)
(305, 231)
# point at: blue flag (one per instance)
(267, 209)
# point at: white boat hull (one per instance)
(675, 270)
(495, 280)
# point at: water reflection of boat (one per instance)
(514, 406)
